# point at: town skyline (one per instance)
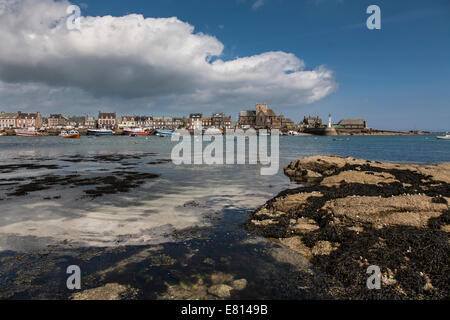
(260, 117)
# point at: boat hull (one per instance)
(100, 133)
(74, 136)
(135, 133)
(163, 133)
(26, 133)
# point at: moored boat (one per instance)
(135, 132)
(446, 137)
(165, 133)
(27, 132)
(100, 132)
(70, 135)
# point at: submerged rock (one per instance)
(193, 290)
(111, 291)
(220, 277)
(239, 284)
(221, 290)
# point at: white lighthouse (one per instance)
(329, 121)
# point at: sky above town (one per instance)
(175, 57)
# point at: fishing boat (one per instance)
(446, 137)
(100, 132)
(27, 132)
(135, 132)
(165, 133)
(70, 135)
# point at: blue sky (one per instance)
(396, 78)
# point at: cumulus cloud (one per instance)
(132, 57)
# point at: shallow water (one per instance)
(56, 211)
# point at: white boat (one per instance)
(165, 133)
(446, 137)
(27, 132)
(70, 135)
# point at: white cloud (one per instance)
(257, 4)
(132, 57)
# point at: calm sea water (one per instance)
(155, 208)
(161, 210)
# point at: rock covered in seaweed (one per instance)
(352, 213)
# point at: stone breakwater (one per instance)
(350, 214)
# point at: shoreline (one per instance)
(339, 133)
(350, 214)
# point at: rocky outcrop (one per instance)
(350, 214)
(111, 291)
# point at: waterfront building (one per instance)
(220, 121)
(8, 120)
(262, 118)
(29, 120)
(311, 122)
(195, 121)
(286, 122)
(76, 121)
(352, 124)
(144, 122)
(206, 123)
(168, 122)
(247, 119)
(266, 118)
(90, 122)
(56, 120)
(158, 123)
(127, 122)
(227, 123)
(107, 120)
(136, 122)
(179, 123)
